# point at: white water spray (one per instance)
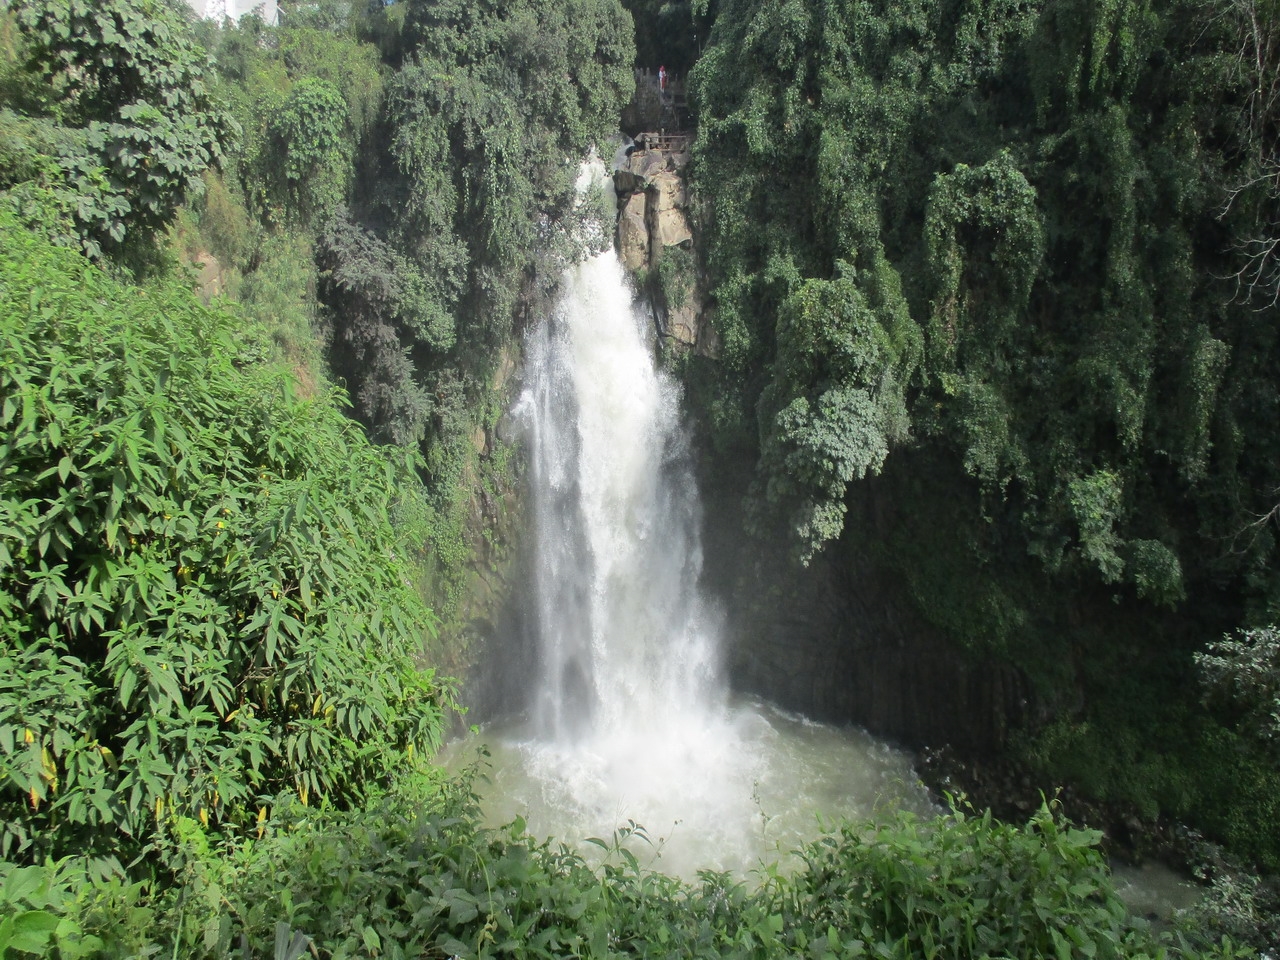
(629, 647)
(631, 719)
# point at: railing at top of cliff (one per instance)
(664, 142)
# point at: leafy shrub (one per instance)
(834, 404)
(311, 148)
(960, 887)
(31, 899)
(130, 85)
(1245, 670)
(412, 875)
(204, 599)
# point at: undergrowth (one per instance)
(411, 874)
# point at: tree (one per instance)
(834, 403)
(485, 122)
(1256, 24)
(1244, 670)
(132, 89)
(381, 299)
(311, 140)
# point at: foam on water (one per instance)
(745, 789)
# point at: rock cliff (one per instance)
(654, 225)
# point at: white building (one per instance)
(235, 9)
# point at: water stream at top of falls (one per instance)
(631, 718)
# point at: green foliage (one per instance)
(834, 403)
(130, 88)
(1256, 192)
(381, 301)
(1095, 505)
(1245, 671)
(307, 95)
(205, 598)
(311, 142)
(1240, 905)
(674, 274)
(279, 297)
(986, 279)
(1029, 198)
(1143, 744)
(352, 67)
(1042, 209)
(412, 875)
(39, 913)
(961, 887)
(458, 218)
(490, 114)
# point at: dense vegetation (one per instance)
(108, 123)
(412, 876)
(1019, 260)
(407, 167)
(201, 600)
(216, 591)
(1001, 232)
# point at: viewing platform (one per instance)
(661, 142)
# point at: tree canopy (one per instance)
(117, 123)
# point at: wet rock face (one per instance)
(839, 642)
(843, 652)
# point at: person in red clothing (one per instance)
(662, 80)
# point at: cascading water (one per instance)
(628, 645)
(631, 718)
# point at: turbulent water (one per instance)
(627, 642)
(631, 720)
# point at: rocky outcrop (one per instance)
(633, 234)
(653, 217)
(666, 198)
(653, 201)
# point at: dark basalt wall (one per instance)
(839, 642)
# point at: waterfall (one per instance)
(631, 720)
(628, 643)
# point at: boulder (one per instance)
(667, 191)
(624, 182)
(633, 234)
(647, 164)
(670, 227)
